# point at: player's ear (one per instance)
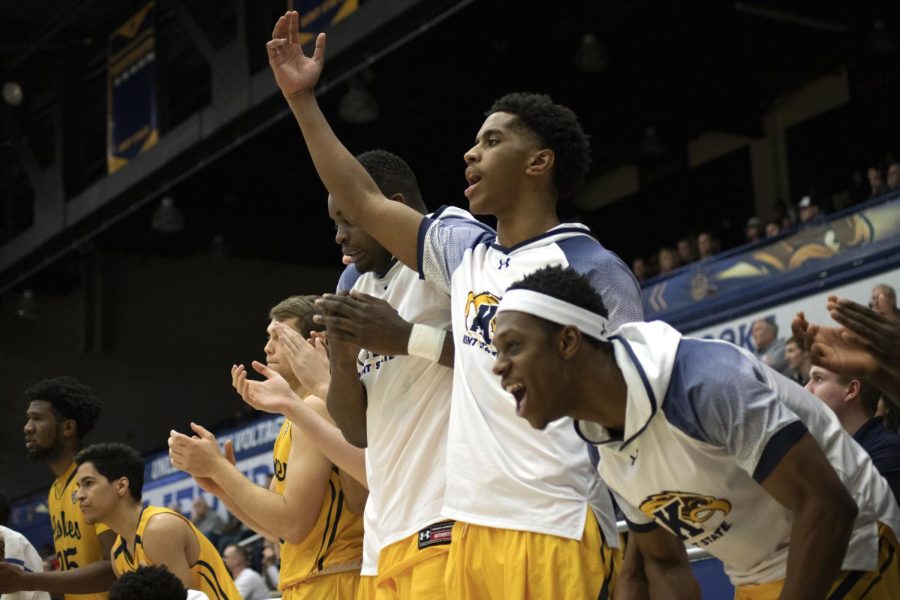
(541, 162)
(398, 197)
(121, 486)
(567, 341)
(70, 428)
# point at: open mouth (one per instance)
(518, 393)
(473, 177)
(351, 256)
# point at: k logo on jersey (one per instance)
(480, 311)
(684, 514)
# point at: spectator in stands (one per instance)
(687, 249)
(753, 232)
(207, 521)
(798, 361)
(668, 260)
(854, 402)
(884, 301)
(271, 564)
(640, 269)
(769, 348)
(773, 228)
(152, 583)
(877, 185)
(249, 583)
(707, 245)
(176, 507)
(808, 211)
(867, 344)
(893, 177)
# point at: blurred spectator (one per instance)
(640, 269)
(270, 563)
(668, 260)
(687, 250)
(877, 185)
(769, 348)
(893, 177)
(176, 506)
(854, 402)
(249, 583)
(753, 232)
(773, 228)
(887, 304)
(207, 521)
(798, 361)
(808, 210)
(707, 245)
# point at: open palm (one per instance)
(295, 73)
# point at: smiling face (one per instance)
(362, 249)
(497, 164)
(96, 495)
(529, 366)
(42, 430)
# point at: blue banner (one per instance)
(845, 246)
(318, 15)
(132, 124)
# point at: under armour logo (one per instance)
(423, 536)
(634, 456)
(503, 263)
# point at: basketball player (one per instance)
(62, 411)
(387, 398)
(307, 505)
(520, 497)
(703, 442)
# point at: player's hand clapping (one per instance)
(308, 359)
(198, 454)
(365, 322)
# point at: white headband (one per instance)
(555, 310)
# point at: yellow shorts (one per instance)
(881, 584)
(414, 567)
(486, 563)
(366, 587)
(333, 586)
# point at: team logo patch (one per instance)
(687, 515)
(480, 312)
(436, 535)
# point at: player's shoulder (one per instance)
(163, 522)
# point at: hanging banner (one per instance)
(131, 117)
(317, 16)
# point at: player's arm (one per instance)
(805, 482)
(312, 416)
(91, 578)
(655, 566)
(167, 541)
(394, 225)
(347, 400)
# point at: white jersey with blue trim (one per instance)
(18, 552)
(501, 472)
(706, 422)
(406, 417)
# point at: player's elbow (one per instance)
(297, 531)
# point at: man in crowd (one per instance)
(884, 301)
(249, 583)
(798, 361)
(768, 347)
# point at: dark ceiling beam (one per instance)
(370, 18)
(65, 16)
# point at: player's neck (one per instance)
(527, 220)
(62, 461)
(124, 520)
(602, 394)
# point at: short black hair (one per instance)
(114, 460)
(393, 175)
(148, 583)
(4, 510)
(71, 399)
(568, 285)
(558, 129)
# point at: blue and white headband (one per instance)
(555, 310)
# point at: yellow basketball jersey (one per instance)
(334, 544)
(210, 575)
(76, 541)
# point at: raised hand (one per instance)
(364, 321)
(198, 455)
(274, 395)
(833, 348)
(295, 73)
(308, 359)
(876, 333)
